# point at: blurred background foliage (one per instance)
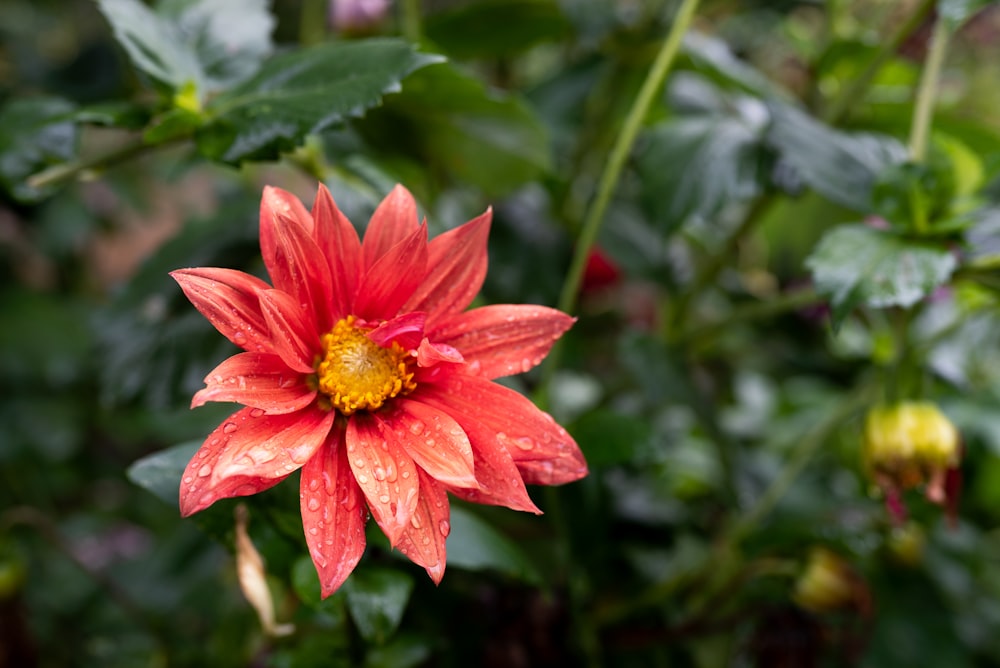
(780, 254)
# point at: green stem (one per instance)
(853, 92)
(79, 168)
(409, 18)
(927, 90)
(803, 453)
(621, 150)
(710, 271)
(313, 22)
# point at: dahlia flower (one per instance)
(362, 368)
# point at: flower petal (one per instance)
(503, 339)
(276, 202)
(393, 278)
(543, 451)
(456, 268)
(394, 220)
(385, 473)
(425, 540)
(338, 240)
(258, 380)
(229, 300)
(333, 513)
(299, 268)
(250, 452)
(433, 439)
(499, 480)
(407, 330)
(293, 331)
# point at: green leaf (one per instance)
(496, 28)
(304, 92)
(376, 599)
(161, 472)
(35, 133)
(155, 45)
(475, 545)
(230, 38)
(695, 164)
(403, 651)
(456, 125)
(856, 264)
(841, 167)
(118, 114)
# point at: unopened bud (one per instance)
(828, 583)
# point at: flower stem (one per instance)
(409, 19)
(851, 93)
(927, 90)
(620, 152)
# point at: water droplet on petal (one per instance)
(313, 504)
(256, 413)
(384, 498)
(444, 527)
(313, 531)
(205, 471)
(362, 478)
(240, 339)
(417, 427)
(188, 480)
(415, 521)
(229, 428)
(379, 473)
(406, 474)
(359, 462)
(524, 443)
(314, 483)
(426, 540)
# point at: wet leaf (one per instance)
(376, 599)
(304, 92)
(160, 472)
(856, 264)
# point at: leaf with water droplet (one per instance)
(161, 472)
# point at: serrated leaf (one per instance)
(857, 264)
(840, 166)
(696, 163)
(230, 38)
(475, 545)
(34, 133)
(154, 44)
(160, 472)
(713, 56)
(376, 599)
(452, 122)
(304, 92)
(496, 28)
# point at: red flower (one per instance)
(361, 369)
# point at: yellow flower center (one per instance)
(358, 374)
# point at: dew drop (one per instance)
(362, 479)
(417, 427)
(415, 521)
(524, 442)
(406, 474)
(256, 413)
(313, 504)
(205, 471)
(314, 484)
(430, 442)
(240, 339)
(426, 540)
(188, 480)
(384, 498)
(313, 531)
(359, 462)
(444, 527)
(229, 428)
(379, 473)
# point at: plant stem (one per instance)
(927, 90)
(409, 19)
(709, 272)
(312, 22)
(69, 170)
(856, 88)
(803, 453)
(621, 150)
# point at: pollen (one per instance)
(357, 374)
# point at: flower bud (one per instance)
(828, 583)
(911, 444)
